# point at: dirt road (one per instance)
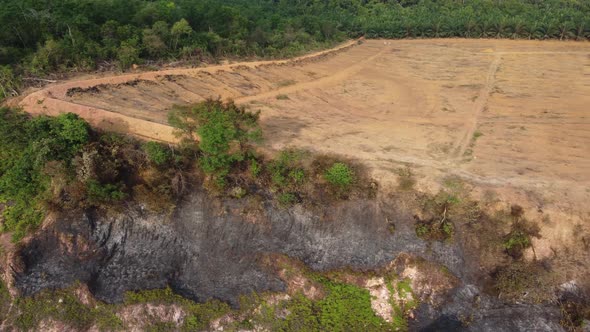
(53, 99)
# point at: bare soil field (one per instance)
(512, 117)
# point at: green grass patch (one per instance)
(199, 315)
(63, 306)
(340, 176)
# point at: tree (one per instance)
(26, 146)
(127, 55)
(153, 44)
(225, 132)
(180, 29)
(8, 82)
(73, 130)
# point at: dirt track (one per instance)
(55, 99)
(512, 116)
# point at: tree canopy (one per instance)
(41, 37)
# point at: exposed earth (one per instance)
(511, 116)
(504, 122)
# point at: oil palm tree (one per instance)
(519, 29)
(470, 28)
(565, 29)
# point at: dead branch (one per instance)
(444, 217)
(38, 79)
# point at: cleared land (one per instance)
(494, 107)
(499, 112)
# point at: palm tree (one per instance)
(580, 31)
(470, 28)
(485, 28)
(565, 30)
(545, 30)
(409, 29)
(519, 29)
(500, 28)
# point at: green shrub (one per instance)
(286, 171)
(26, 146)
(434, 229)
(99, 193)
(516, 242)
(287, 199)
(5, 300)
(340, 175)
(225, 132)
(128, 54)
(348, 308)
(255, 168)
(157, 153)
(63, 306)
(198, 315)
(297, 175)
(9, 83)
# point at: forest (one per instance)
(42, 39)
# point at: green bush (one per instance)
(345, 308)
(286, 170)
(339, 175)
(99, 193)
(287, 199)
(128, 54)
(516, 242)
(348, 308)
(9, 83)
(157, 153)
(198, 315)
(255, 168)
(63, 306)
(435, 230)
(225, 132)
(26, 146)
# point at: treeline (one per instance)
(43, 37)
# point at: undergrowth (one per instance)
(60, 163)
(64, 306)
(198, 315)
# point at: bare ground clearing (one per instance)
(511, 116)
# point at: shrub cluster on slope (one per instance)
(49, 163)
(226, 136)
(30, 150)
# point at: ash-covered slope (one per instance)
(212, 248)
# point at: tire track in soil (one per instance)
(335, 78)
(482, 102)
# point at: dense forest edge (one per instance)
(44, 40)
